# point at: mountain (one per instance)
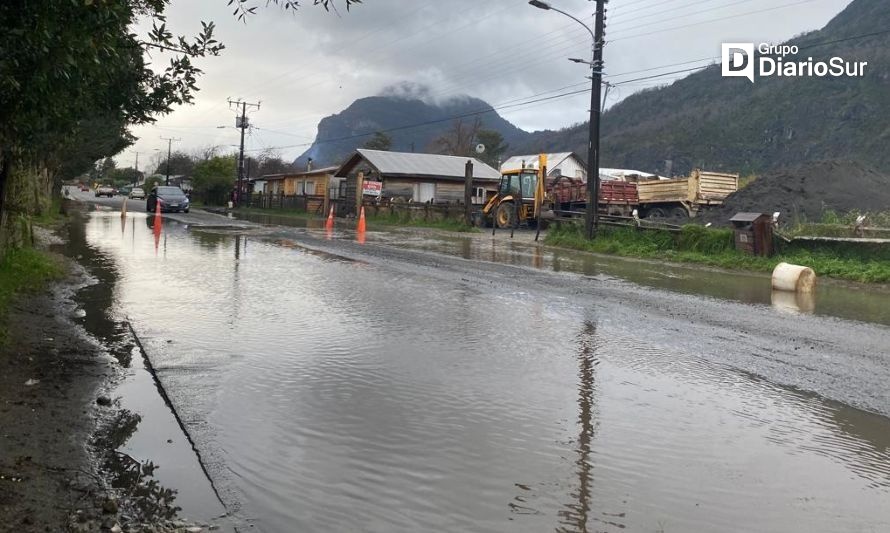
(731, 124)
(339, 135)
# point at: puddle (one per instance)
(152, 451)
(867, 303)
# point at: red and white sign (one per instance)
(372, 188)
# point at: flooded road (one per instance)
(832, 297)
(334, 387)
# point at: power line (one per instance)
(714, 20)
(654, 76)
(622, 13)
(698, 12)
(624, 82)
(455, 84)
(526, 103)
(436, 121)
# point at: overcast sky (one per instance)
(312, 64)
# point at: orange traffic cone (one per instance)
(330, 223)
(361, 221)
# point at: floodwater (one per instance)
(832, 297)
(152, 434)
(327, 394)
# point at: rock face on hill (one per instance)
(398, 115)
(705, 120)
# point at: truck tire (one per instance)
(505, 216)
(656, 213)
(679, 212)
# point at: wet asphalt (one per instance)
(843, 360)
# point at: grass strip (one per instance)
(396, 220)
(23, 271)
(715, 247)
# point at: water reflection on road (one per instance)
(833, 298)
(337, 395)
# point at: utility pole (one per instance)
(598, 34)
(169, 153)
(242, 124)
(136, 176)
(591, 220)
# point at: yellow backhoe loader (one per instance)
(520, 198)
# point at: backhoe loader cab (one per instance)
(516, 181)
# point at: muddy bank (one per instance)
(62, 467)
(50, 377)
(804, 192)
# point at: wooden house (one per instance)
(415, 177)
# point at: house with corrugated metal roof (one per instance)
(558, 164)
(309, 183)
(416, 177)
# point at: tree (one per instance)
(122, 176)
(460, 139)
(494, 147)
(380, 141)
(270, 162)
(151, 182)
(64, 62)
(102, 169)
(215, 177)
(180, 164)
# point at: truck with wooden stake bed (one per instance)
(684, 197)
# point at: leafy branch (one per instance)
(244, 8)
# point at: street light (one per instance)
(593, 137)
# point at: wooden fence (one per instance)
(344, 207)
(313, 204)
(416, 211)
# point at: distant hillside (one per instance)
(340, 134)
(731, 124)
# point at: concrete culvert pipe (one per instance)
(794, 278)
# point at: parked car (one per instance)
(137, 193)
(170, 198)
(125, 190)
(104, 190)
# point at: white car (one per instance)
(137, 193)
(105, 190)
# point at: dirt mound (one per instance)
(804, 192)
